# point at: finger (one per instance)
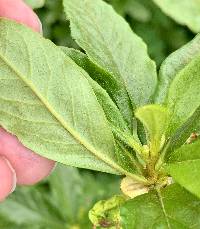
(20, 12)
(7, 178)
(29, 167)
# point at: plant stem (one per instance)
(160, 161)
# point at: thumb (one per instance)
(17, 10)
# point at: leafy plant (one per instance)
(53, 204)
(107, 110)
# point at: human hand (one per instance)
(19, 165)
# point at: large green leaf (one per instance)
(172, 208)
(110, 43)
(185, 12)
(110, 109)
(115, 89)
(184, 167)
(47, 102)
(173, 64)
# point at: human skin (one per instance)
(19, 165)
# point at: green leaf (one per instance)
(173, 207)
(31, 208)
(51, 112)
(62, 181)
(182, 97)
(155, 119)
(35, 3)
(105, 213)
(115, 89)
(110, 43)
(184, 12)
(119, 127)
(184, 167)
(63, 201)
(173, 64)
(192, 125)
(110, 109)
(171, 68)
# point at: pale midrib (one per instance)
(184, 161)
(163, 208)
(67, 127)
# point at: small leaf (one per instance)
(110, 43)
(155, 119)
(51, 112)
(105, 213)
(184, 12)
(173, 207)
(184, 167)
(173, 64)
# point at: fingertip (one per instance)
(7, 178)
(30, 167)
(17, 10)
(37, 172)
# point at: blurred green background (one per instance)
(64, 199)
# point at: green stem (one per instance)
(160, 161)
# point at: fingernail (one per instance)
(14, 174)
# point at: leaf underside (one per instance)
(47, 93)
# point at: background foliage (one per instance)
(64, 199)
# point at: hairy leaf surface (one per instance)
(47, 102)
(110, 43)
(111, 110)
(107, 82)
(121, 132)
(172, 208)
